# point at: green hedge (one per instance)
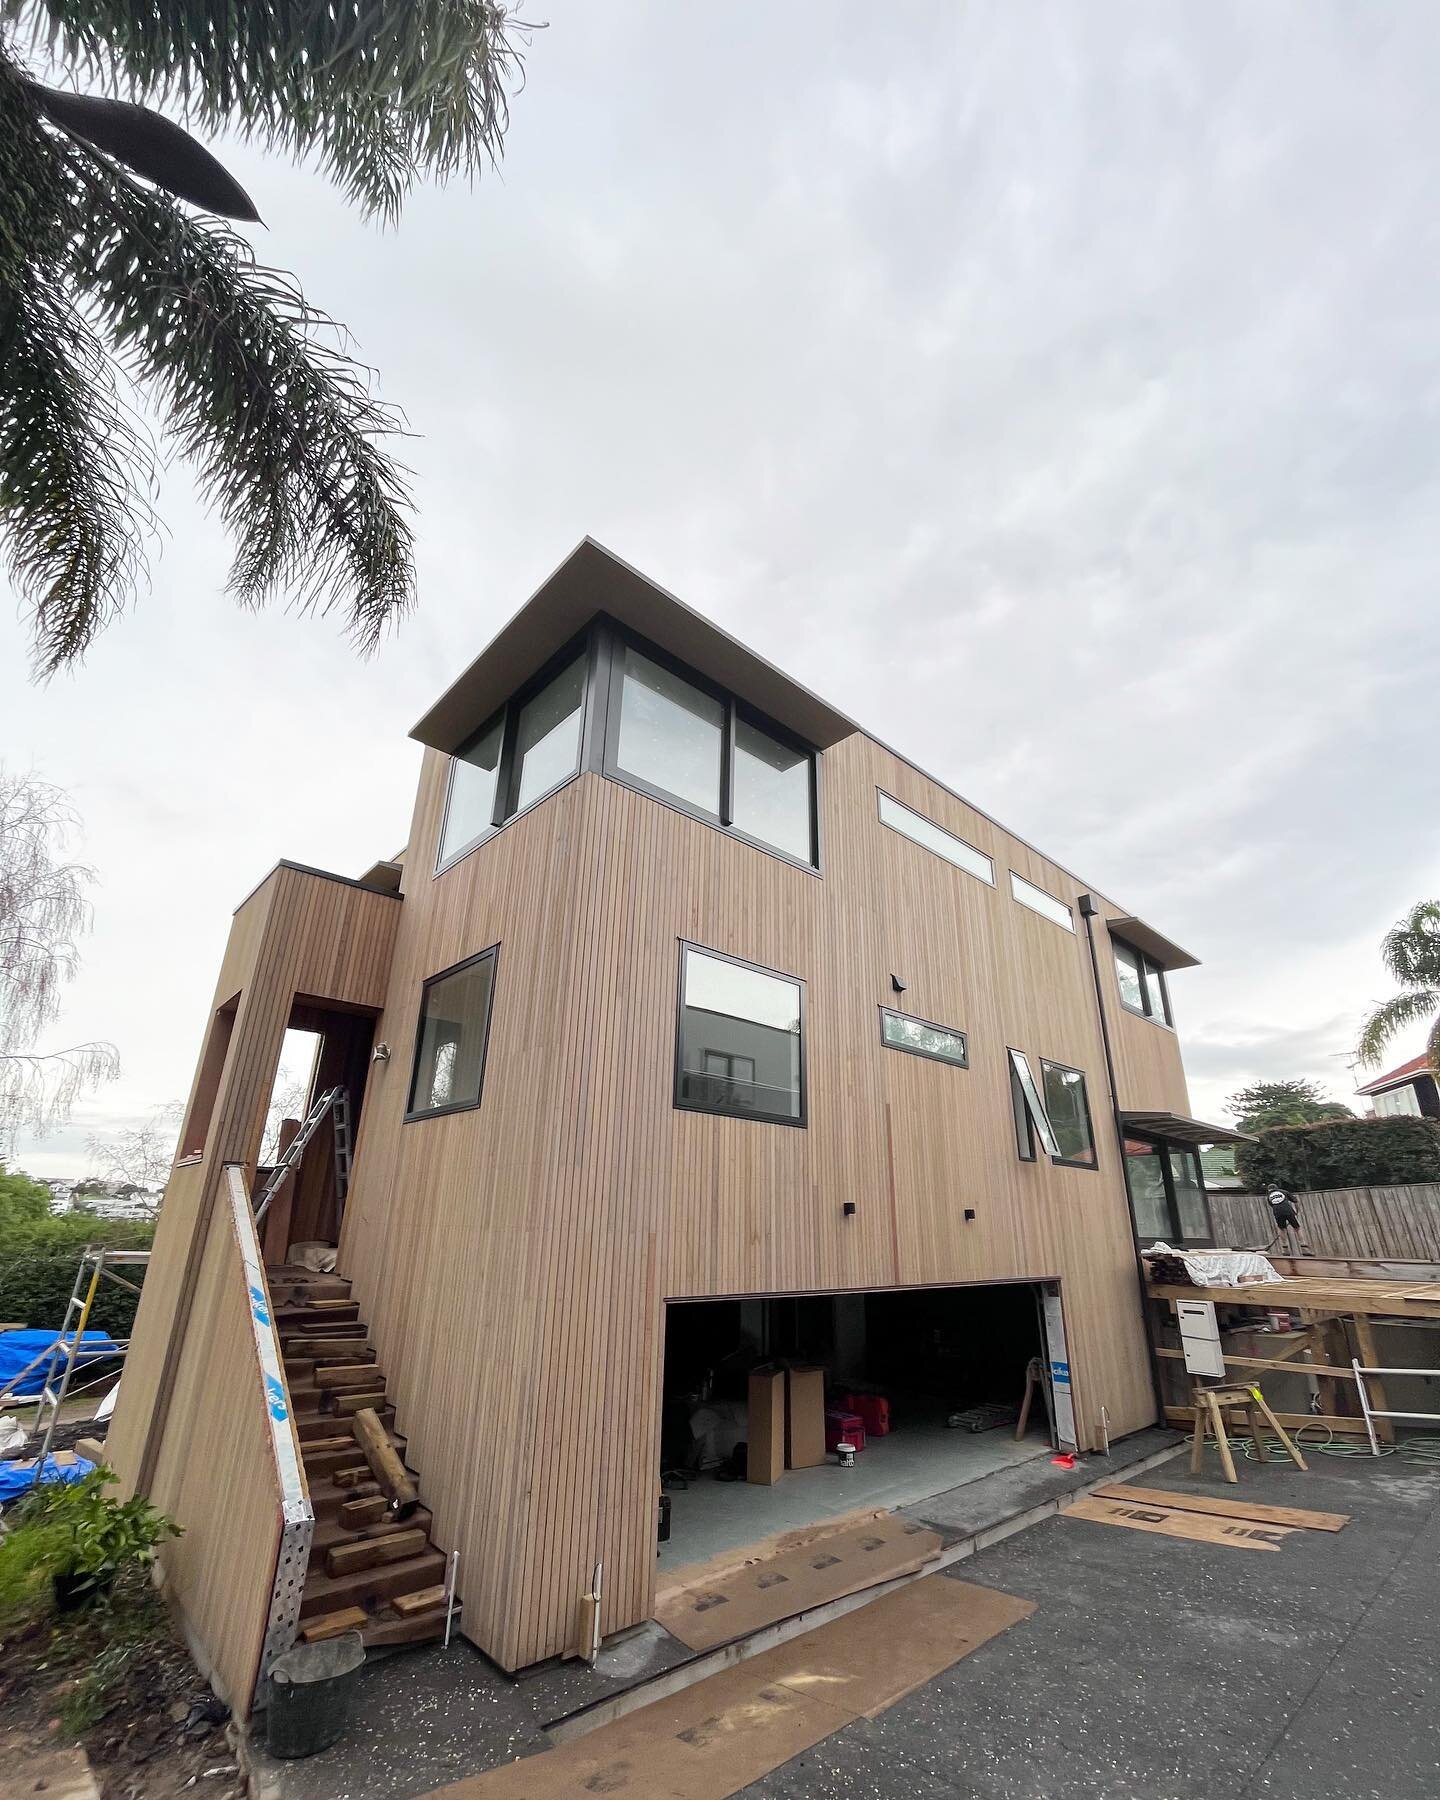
(1341, 1153)
(36, 1284)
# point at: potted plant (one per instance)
(94, 1537)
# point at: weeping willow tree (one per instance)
(124, 294)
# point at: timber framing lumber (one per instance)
(1185, 1416)
(1386, 1299)
(1285, 1366)
(385, 1463)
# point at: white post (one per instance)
(1365, 1405)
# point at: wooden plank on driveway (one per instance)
(1300, 1516)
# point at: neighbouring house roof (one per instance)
(594, 580)
(1417, 1065)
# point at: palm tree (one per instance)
(1411, 952)
(112, 286)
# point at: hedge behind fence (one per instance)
(1341, 1153)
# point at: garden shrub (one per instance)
(1341, 1153)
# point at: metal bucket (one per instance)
(310, 1688)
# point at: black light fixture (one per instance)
(969, 1215)
(848, 1209)
(897, 985)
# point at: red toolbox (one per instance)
(874, 1411)
(844, 1428)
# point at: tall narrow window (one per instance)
(1142, 983)
(1068, 1108)
(1031, 1119)
(1192, 1213)
(1144, 1164)
(450, 1040)
(470, 805)
(547, 737)
(771, 800)
(740, 1044)
(672, 735)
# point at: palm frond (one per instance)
(1411, 949)
(1393, 1016)
(380, 92)
(74, 473)
(260, 396)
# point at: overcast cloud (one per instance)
(1054, 388)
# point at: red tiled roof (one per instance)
(1417, 1065)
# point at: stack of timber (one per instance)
(373, 1565)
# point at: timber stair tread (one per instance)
(390, 1583)
(327, 1593)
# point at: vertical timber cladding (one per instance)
(298, 932)
(514, 1260)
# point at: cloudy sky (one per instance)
(1052, 387)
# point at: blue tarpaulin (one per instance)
(20, 1347)
(15, 1480)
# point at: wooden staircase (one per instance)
(382, 1576)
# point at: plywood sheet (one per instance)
(720, 1735)
(778, 1587)
(1235, 1534)
(1300, 1516)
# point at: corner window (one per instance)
(1056, 911)
(931, 837)
(772, 791)
(470, 804)
(740, 1047)
(547, 737)
(918, 1036)
(1142, 983)
(451, 1037)
(682, 741)
(672, 736)
(1031, 1119)
(1068, 1107)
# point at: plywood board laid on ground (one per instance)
(1234, 1534)
(778, 1587)
(1302, 1517)
(713, 1739)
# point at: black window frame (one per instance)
(613, 677)
(1071, 1162)
(1142, 963)
(492, 956)
(599, 740)
(579, 647)
(801, 1119)
(1020, 1106)
(891, 1012)
(1162, 1148)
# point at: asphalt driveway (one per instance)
(1156, 1669)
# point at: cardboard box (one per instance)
(765, 1427)
(804, 1418)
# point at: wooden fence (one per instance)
(1393, 1223)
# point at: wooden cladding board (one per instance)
(297, 934)
(513, 1260)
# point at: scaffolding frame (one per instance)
(66, 1351)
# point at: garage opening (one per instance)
(925, 1384)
